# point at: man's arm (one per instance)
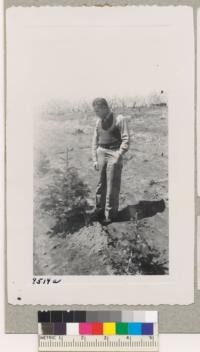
(95, 144)
(124, 130)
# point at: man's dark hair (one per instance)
(100, 102)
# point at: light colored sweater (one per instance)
(119, 122)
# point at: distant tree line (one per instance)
(62, 107)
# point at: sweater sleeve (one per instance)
(95, 143)
(124, 130)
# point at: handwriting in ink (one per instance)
(42, 281)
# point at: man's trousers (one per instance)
(108, 188)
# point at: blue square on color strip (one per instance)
(147, 328)
(134, 328)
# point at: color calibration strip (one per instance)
(98, 331)
(75, 323)
(98, 328)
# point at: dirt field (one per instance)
(138, 246)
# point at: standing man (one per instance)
(110, 142)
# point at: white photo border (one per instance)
(178, 286)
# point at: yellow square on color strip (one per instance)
(109, 328)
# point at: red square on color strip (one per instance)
(97, 328)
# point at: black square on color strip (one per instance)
(79, 316)
(56, 316)
(43, 317)
(68, 316)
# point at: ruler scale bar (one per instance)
(104, 344)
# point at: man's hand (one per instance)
(96, 166)
(118, 155)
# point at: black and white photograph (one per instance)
(101, 188)
(101, 154)
(99, 193)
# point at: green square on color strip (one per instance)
(134, 329)
(122, 328)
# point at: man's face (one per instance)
(101, 111)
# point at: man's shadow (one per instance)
(143, 209)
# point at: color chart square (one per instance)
(134, 329)
(109, 329)
(85, 328)
(92, 316)
(46, 328)
(122, 328)
(73, 329)
(59, 328)
(79, 316)
(147, 328)
(56, 316)
(97, 329)
(151, 317)
(126, 316)
(44, 317)
(68, 316)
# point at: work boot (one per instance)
(96, 214)
(106, 221)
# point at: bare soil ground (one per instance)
(127, 247)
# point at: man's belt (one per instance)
(110, 146)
